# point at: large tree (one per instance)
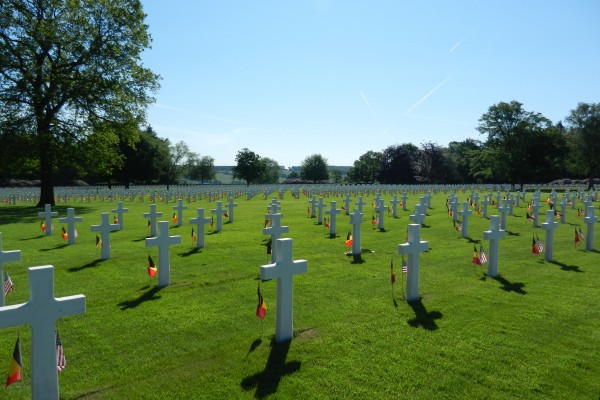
(201, 168)
(583, 127)
(271, 171)
(67, 67)
(249, 166)
(314, 168)
(366, 168)
(431, 165)
(513, 136)
(398, 164)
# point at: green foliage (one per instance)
(532, 333)
(583, 124)
(249, 166)
(515, 138)
(367, 168)
(314, 168)
(270, 171)
(398, 164)
(201, 168)
(67, 65)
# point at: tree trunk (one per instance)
(46, 165)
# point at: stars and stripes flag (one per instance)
(8, 284)
(580, 234)
(61, 361)
(404, 266)
(482, 256)
(75, 233)
(539, 244)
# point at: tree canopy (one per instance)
(69, 70)
(249, 166)
(314, 168)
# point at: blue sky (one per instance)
(288, 79)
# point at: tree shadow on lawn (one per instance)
(267, 381)
(565, 267)
(423, 318)
(85, 266)
(146, 296)
(507, 286)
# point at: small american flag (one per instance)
(404, 267)
(539, 244)
(8, 284)
(482, 256)
(61, 361)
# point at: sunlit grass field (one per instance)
(534, 332)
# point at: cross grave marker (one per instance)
(105, 228)
(163, 241)
(549, 226)
(41, 312)
(119, 211)
(494, 234)
(200, 221)
(70, 220)
(47, 214)
(152, 217)
(413, 247)
(6, 256)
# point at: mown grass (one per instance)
(532, 333)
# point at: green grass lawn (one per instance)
(532, 333)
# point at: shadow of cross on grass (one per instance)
(267, 381)
(146, 296)
(423, 318)
(507, 286)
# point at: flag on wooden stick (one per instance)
(61, 361)
(152, 268)
(8, 284)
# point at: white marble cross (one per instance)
(6, 256)
(494, 235)
(549, 226)
(419, 216)
(219, 215)
(590, 219)
(465, 213)
(404, 196)
(70, 220)
(119, 211)
(284, 270)
(41, 311)
(485, 203)
(360, 203)
(275, 230)
(347, 201)
(313, 205)
(179, 209)
(394, 202)
(320, 206)
(535, 211)
(152, 217)
(163, 241)
(200, 221)
(230, 206)
(563, 209)
(332, 212)
(381, 209)
(47, 214)
(274, 206)
(503, 211)
(454, 208)
(105, 228)
(413, 247)
(356, 218)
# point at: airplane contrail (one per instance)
(432, 91)
(460, 42)
(367, 103)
